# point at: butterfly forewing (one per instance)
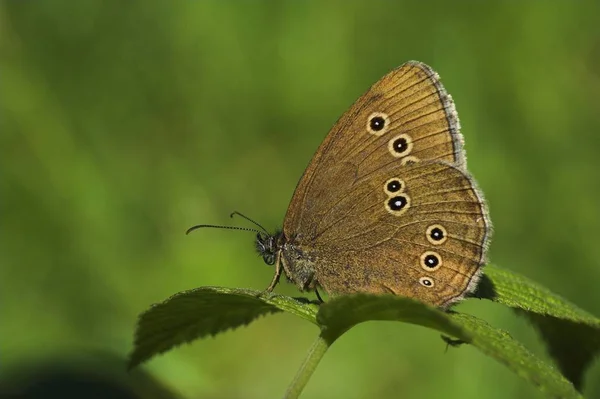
(415, 107)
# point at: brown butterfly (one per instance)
(386, 205)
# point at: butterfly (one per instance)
(386, 205)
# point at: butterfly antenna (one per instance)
(248, 219)
(220, 227)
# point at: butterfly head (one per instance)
(268, 245)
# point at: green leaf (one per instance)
(573, 346)
(572, 335)
(517, 291)
(340, 314)
(200, 312)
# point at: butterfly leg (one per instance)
(319, 296)
(452, 342)
(277, 272)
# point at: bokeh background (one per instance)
(124, 123)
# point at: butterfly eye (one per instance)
(436, 234)
(397, 205)
(431, 261)
(378, 123)
(269, 259)
(426, 282)
(393, 185)
(400, 145)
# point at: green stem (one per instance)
(315, 354)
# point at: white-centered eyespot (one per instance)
(400, 146)
(436, 234)
(378, 123)
(398, 204)
(426, 282)
(430, 261)
(393, 186)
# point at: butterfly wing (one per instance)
(425, 238)
(414, 106)
(405, 124)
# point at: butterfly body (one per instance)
(386, 205)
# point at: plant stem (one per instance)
(315, 354)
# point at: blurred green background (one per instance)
(124, 123)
